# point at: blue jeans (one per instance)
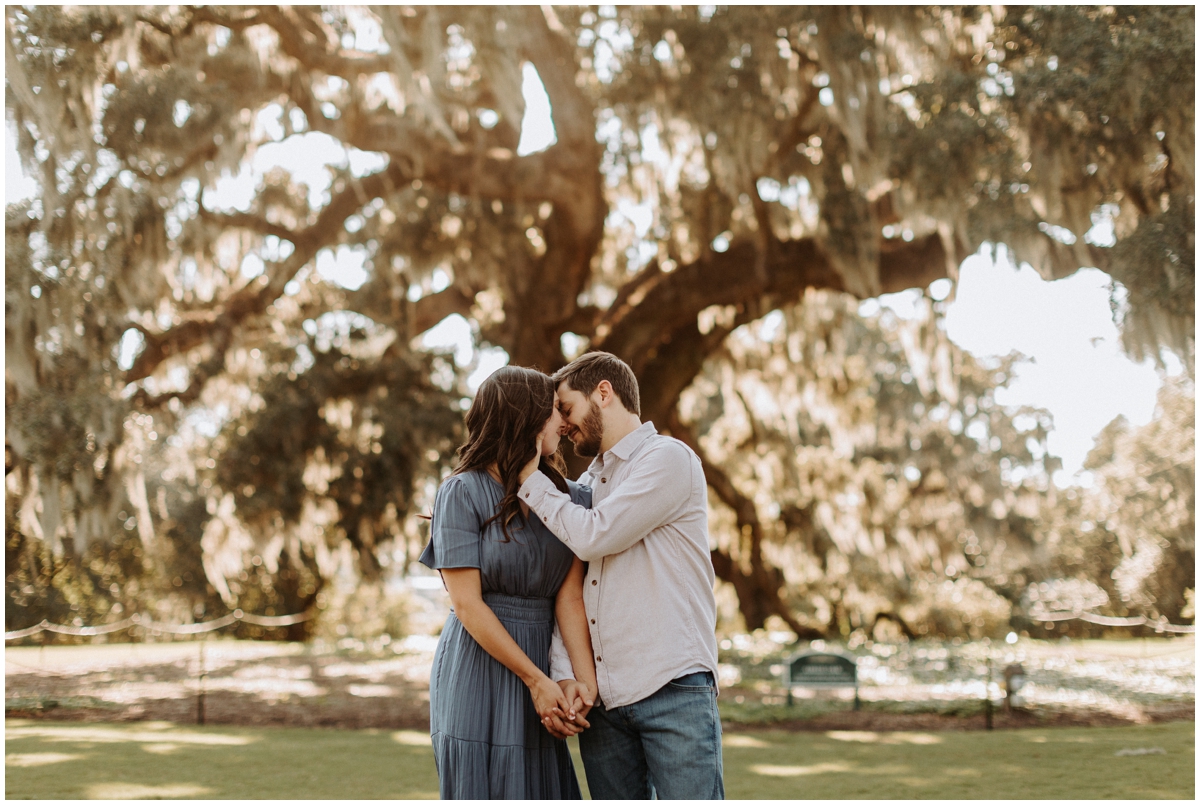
(666, 746)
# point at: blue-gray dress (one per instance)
(488, 742)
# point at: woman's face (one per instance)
(550, 431)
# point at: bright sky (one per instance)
(1077, 370)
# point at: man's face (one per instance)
(582, 423)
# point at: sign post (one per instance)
(814, 669)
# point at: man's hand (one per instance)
(580, 696)
(573, 722)
(532, 467)
(554, 707)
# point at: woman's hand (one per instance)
(554, 708)
(532, 466)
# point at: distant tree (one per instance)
(704, 156)
(1133, 532)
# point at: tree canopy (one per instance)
(710, 165)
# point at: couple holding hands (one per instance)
(579, 608)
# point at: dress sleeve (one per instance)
(456, 529)
(580, 495)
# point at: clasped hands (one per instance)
(563, 707)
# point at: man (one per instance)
(648, 593)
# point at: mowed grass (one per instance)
(157, 760)
(1059, 763)
(60, 760)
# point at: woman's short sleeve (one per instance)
(580, 495)
(456, 530)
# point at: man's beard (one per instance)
(592, 431)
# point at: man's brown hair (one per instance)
(585, 373)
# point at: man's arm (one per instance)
(560, 661)
(571, 620)
(657, 487)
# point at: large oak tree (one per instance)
(710, 165)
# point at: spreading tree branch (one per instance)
(673, 300)
(255, 296)
(497, 173)
(244, 220)
(309, 51)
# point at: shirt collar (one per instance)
(632, 441)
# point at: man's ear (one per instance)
(605, 390)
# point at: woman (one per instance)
(509, 579)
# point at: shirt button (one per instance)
(603, 480)
(598, 659)
(593, 620)
(593, 584)
(526, 494)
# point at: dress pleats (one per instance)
(488, 741)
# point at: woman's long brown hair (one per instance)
(510, 409)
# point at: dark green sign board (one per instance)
(817, 670)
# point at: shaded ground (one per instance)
(909, 687)
(944, 685)
(245, 683)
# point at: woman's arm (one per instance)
(466, 594)
(573, 627)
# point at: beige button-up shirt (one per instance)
(648, 592)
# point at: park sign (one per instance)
(815, 669)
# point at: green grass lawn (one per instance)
(1062, 763)
(63, 760)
